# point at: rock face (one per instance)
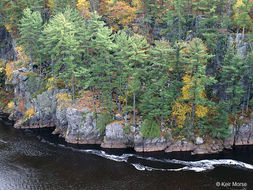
(244, 135)
(181, 145)
(241, 46)
(82, 127)
(6, 45)
(115, 136)
(43, 105)
(149, 145)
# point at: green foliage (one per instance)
(103, 120)
(11, 11)
(217, 125)
(127, 129)
(171, 82)
(30, 29)
(231, 76)
(150, 129)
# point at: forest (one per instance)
(168, 63)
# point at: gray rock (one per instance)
(115, 136)
(132, 129)
(118, 117)
(181, 145)
(199, 140)
(81, 127)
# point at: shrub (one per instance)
(150, 129)
(127, 129)
(103, 120)
(9, 70)
(29, 113)
(10, 105)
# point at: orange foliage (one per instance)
(118, 14)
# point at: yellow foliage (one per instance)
(8, 27)
(123, 100)
(63, 100)
(9, 70)
(119, 13)
(237, 10)
(137, 4)
(22, 57)
(2, 66)
(181, 109)
(29, 113)
(186, 89)
(10, 105)
(201, 111)
(50, 83)
(63, 97)
(83, 7)
(51, 4)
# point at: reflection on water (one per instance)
(34, 159)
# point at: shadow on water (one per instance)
(36, 159)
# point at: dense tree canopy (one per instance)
(157, 61)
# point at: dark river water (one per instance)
(37, 160)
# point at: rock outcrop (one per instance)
(31, 110)
(115, 136)
(149, 145)
(82, 127)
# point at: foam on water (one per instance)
(197, 166)
(2, 141)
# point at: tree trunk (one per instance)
(126, 94)
(193, 104)
(119, 105)
(134, 114)
(73, 88)
(93, 100)
(248, 97)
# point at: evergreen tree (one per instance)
(193, 104)
(11, 12)
(31, 30)
(159, 92)
(122, 66)
(61, 43)
(100, 45)
(137, 59)
(231, 77)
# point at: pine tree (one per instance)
(61, 43)
(137, 59)
(100, 45)
(30, 29)
(176, 19)
(193, 104)
(11, 12)
(122, 66)
(159, 91)
(231, 78)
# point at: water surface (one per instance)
(37, 160)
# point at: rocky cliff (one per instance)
(78, 125)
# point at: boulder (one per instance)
(199, 140)
(81, 127)
(115, 136)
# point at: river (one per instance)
(36, 160)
